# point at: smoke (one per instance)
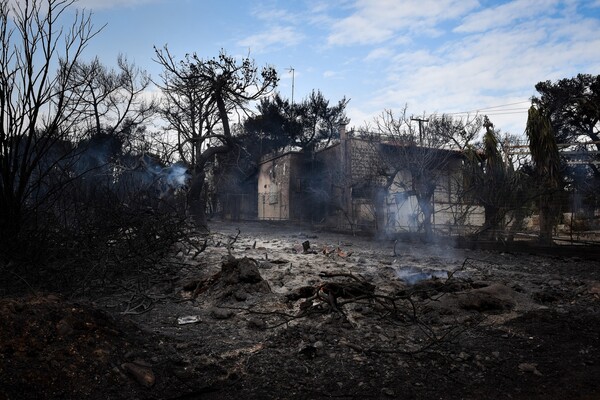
(176, 176)
(412, 274)
(104, 166)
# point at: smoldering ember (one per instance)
(158, 249)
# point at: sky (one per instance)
(432, 56)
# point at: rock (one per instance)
(496, 297)
(257, 323)
(530, 367)
(240, 295)
(142, 374)
(220, 313)
(305, 246)
(388, 392)
(547, 295)
(244, 270)
(64, 327)
(594, 288)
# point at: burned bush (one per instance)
(101, 212)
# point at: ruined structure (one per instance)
(280, 191)
(353, 185)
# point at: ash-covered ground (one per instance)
(274, 311)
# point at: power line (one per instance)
(493, 108)
(504, 105)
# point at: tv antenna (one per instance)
(291, 69)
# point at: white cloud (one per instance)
(505, 14)
(375, 21)
(379, 53)
(276, 36)
(498, 66)
(273, 14)
(106, 4)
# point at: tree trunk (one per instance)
(546, 222)
(426, 208)
(196, 198)
(492, 222)
(380, 196)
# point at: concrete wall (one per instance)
(402, 212)
(343, 186)
(279, 185)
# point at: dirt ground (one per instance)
(285, 312)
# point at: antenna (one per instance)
(291, 69)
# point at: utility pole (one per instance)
(420, 128)
(291, 69)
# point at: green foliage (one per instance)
(544, 152)
(543, 148)
(572, 105)
(494, 184)
(308, 124)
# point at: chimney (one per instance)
(342, 131)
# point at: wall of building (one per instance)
(280, 188)
(341, 189)
(450, 214)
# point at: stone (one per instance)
(496, 297)
(142, 374)
(240, 295)
(242, 270)
(257, 323)
(530, 367)
(64, 327)
(220, 313)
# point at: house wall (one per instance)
(296, 182)
(450, 214)
(338, 188)
(278, 187)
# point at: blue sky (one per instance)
(435, 56)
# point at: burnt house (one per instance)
(280, 188)
(362, 184)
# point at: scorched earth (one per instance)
(267, 311)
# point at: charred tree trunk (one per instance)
(380, 196)
(424, 189)
(493, 218)
(196, 198)
(548, 219)
(427, 210)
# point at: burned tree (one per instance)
(199, 97)
(317, 120)
(110, 100)
(35, 104)
(307, 125)
(544, 153)
(492, 181)
(573, 108)
(417, 162)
